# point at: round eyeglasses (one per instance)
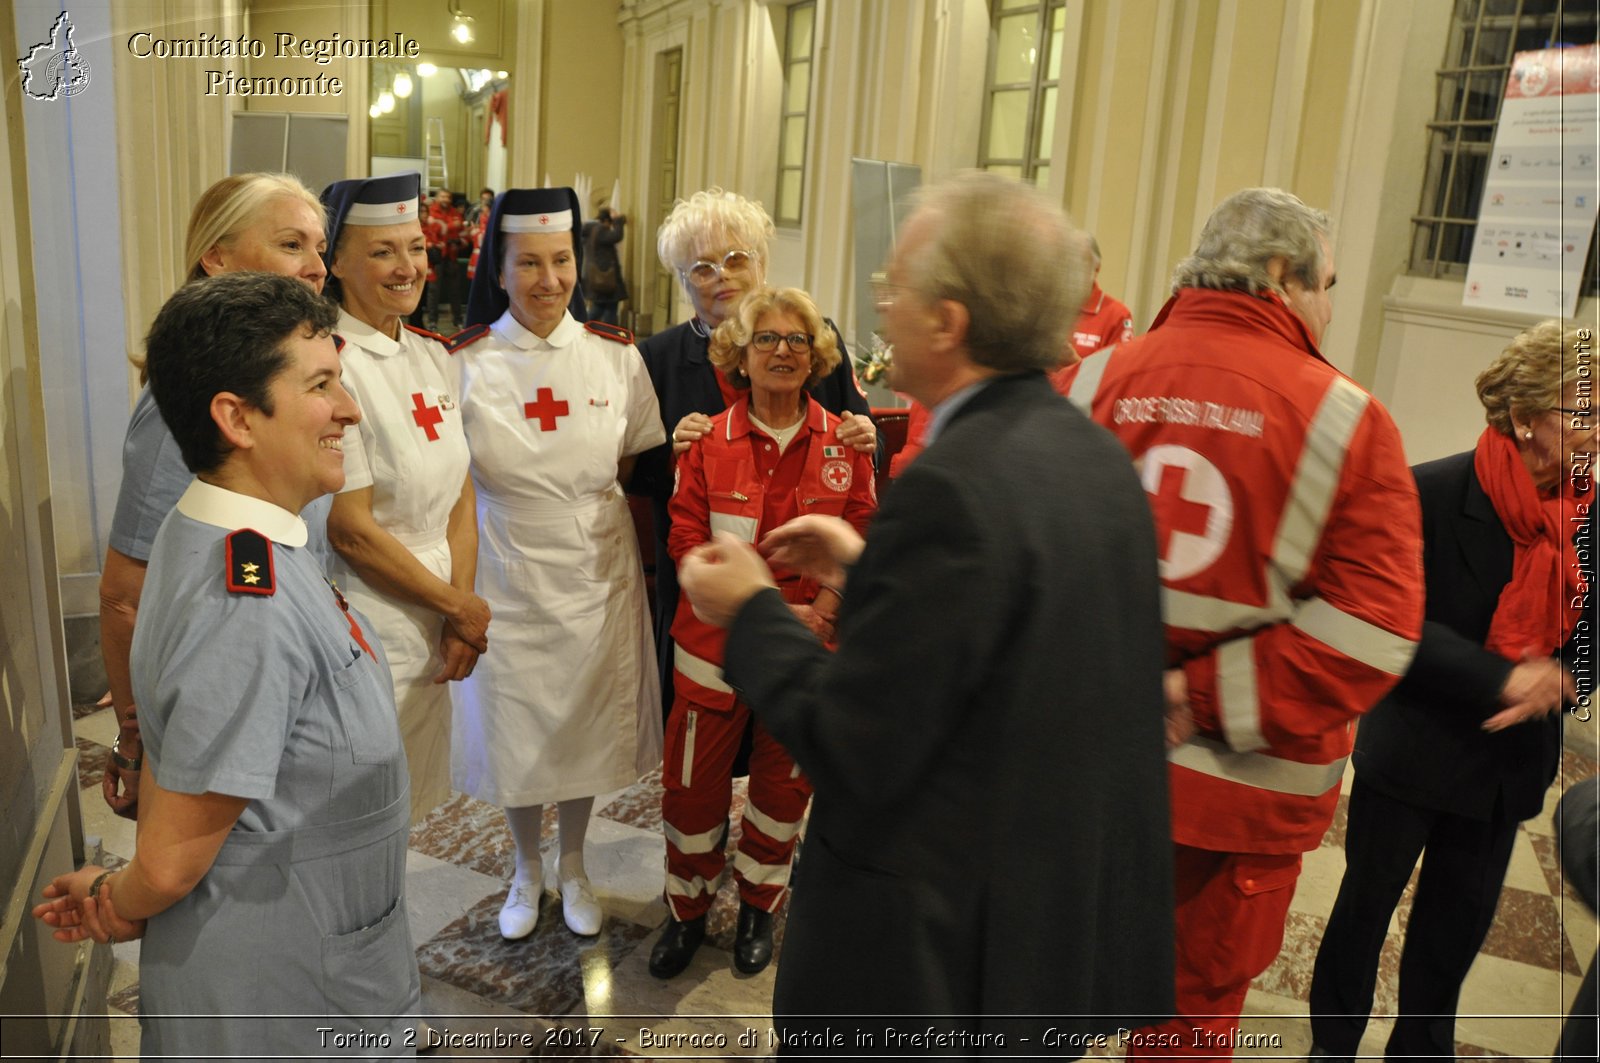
(767, 342)
(735, 263)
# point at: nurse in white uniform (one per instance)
(403, 528)
(568, 705)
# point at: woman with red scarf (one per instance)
(1465, 746)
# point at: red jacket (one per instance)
(1102, 322)
(1291, 569)
(718, 488)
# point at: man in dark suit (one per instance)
(987, 842)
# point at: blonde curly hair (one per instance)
(713, 212)
(1530, 374)
(730, 339)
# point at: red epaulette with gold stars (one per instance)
(250, 563)
(426, 332)
(614, 333)
(466, 337)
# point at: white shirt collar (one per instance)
(560, 336)
(363, 335)
(222, 508)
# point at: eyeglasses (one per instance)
(735, 263)
(885, 292)
(1575, 413)
(767, 342)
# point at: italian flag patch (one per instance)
(833, 452)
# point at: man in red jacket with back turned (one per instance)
(1290, 551)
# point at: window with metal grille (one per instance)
(1019, 112)
(1485, 35)
(798, 38)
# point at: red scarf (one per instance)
(1538, 608)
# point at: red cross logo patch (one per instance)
(1193, 509)
(427, 417)
(837, 475)
(545, 409)
(544, 219)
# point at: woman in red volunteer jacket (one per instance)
(770, 457)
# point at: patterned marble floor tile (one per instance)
(627, 868)
(1513, 1008)
(1274, 1027)
(124, 1035)
(1524, 872)
(91, 767)
(1527, 928)
(708, 998)
(473, 834)
(115, 834)
(1334, 838)
(1290, 974)
(438, 893)
(1320, 872)
(541, 974)
(639, 805)
(465, 1024)
(86, 709)
(125, 1000)
(99, 725)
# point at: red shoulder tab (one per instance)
(250, 563)
(425, 332)
(338, 342)
(466, 337)
(614, 333)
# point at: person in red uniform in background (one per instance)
(1102, 320)
(1290, 556)
(773, 455)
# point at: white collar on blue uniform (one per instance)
(560, 336)
(363, 335)
(222, 508)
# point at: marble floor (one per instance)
(555, 995)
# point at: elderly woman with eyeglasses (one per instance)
(773, 455)
(1466, 745)
(715, 242)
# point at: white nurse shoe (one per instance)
(579, 908)
(520, 914)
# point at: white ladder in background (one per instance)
(438, 169)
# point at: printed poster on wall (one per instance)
(1538, 211)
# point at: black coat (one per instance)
(989, 834)
(1424, 743)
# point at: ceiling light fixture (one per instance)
(462, 30)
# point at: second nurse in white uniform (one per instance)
(403, 528)
(568, 705)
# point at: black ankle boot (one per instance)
(677, 946)
(752, 944)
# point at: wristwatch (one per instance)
(122, 762)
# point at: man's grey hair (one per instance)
(1013, 259)
(1246, 232)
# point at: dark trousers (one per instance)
(1457, 893)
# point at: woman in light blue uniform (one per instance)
(268, 879)
(256, 221)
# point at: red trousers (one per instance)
(697, 774)
(1230, 914)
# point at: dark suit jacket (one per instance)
(1424, 743)
(989, 833)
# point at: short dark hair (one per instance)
(225, 333)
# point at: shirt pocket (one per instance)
(365, 707)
